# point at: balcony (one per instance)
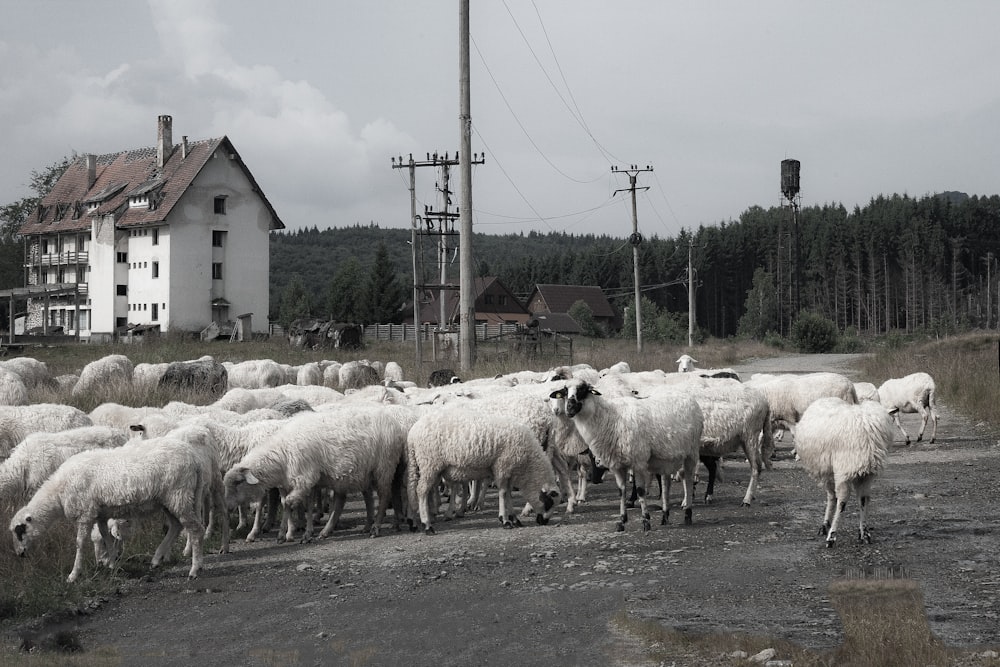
(57, 258)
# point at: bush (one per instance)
(814, 333)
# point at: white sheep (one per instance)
(308, 374)
(458, 444)
(352, 450)
(121, 416)
(357, 374)
(866, 391)
(658, 435)
(914, 393)
(331, 374)
(17, 421)
(109, 373)
(844, 447)
(12, 389)
(40, 454)
(255, 373)
(33, 373)
(685, 363)
(789, 394)
(146, 377)
(619, 367)
(92, 486)
(314, 395)
(392, 372)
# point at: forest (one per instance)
(898, 264)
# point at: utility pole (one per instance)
(446, 227)
(636, 240)
(467, 315)
(691, 317)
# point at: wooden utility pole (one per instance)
(691, 317)
(467, 315)
(636, 240)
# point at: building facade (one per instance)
(174, 236)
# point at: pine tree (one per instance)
(385, 294)
(344, 298)
(294, 302)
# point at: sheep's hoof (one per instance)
(541, 520)
(646, 525)
(831, 543)
(824, 529)
(865, 537)
(744, 504)
(620, 527)
(517, 522)
(508, 525)
(428, 530)
(708, 499)
(630, 504)
(663, 520)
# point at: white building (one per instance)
(173, 235)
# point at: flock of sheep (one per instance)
(294, 443)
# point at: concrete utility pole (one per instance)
(467, 315)
(691, 317)
(636, 241)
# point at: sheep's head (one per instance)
(23, 531)
(545, 505)
(570, 399)
(241, 487)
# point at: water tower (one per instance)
(790, 191)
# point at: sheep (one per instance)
(844, 447)
(866, 391)
(393, 372)
(331, 374)
(203, 375)
(790, 394)
(914, 393)
(40, 454)
(620, 367)
(12, 389)
(65, 383)
(145, 377)
(658, 435)
(734, 416)
(33, 373)
(309, 374)
(17, 421)
(581, 371)
(458, 444)
(118, 531)
(314, 395)
(357, 374)
(254, 374)
(351, 450)
(120, 416)
(162, 474)
(108, 373)
(685, 363)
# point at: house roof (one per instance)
(560, 298)
(558, 322)
(127, 174)
(513, 311)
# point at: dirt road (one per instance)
(475, 593)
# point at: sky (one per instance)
(888, 97)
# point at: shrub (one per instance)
(814, 333)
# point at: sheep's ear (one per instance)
(250, 478)
(594, 392)
(136, 428)
(553, 494)
(558, 393)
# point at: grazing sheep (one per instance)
(12, 389)
(309, 374)
(120, 416)
(254, 374)
(40, 454)
(145, 377)
(17, 421)
(393, 372)
(352, 450)
(93, 486)
(458, 444)
(33, 373)
(789, 394)
(866, 391)
(914, 393)
(620, 367)
(331, 374)
(685, 363)
(357, 374)
(658, 435)
(844, 447)
(203, 375)
(110, 373)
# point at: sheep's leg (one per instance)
(273, 507)
(258, 516)
(191, 522)
(635, 493)
(899, 425)
(219, 509)
(582, 473)
(831, 504)
(641, 482)
(687, 504)
(384, 496)
(83, 529)
(864, 495)
(173, 530)
(841, 494)
(712, 465)
(307, 533)
(756, 462)
(621, 479)
(561, 467)
(335, 510)
(507, 520)
(108, 544)
(424, 489)
(369, 499)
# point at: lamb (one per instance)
(914, 393)
(685, 363)
(844, 447)
(40, 454)
(17, 421)
(658, 435)
(349, 451)
(790, 394)
(12, 389)
(457, 444)
(110, 373)
(90, 487)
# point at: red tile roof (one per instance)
(125, 174)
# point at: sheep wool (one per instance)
(844, 447)
(18, 421)
(915, 393)
(12, 389)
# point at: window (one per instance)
(121, 258)
(156, 237)
(488, 299)
(220, 205)
(502, 299)
(216, 270)
(121, 290)
(218, 238)
(156, 269)
(155, 315)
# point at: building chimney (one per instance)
(91, 170)
(184, 147)
(164, 139)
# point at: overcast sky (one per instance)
(873, 98)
